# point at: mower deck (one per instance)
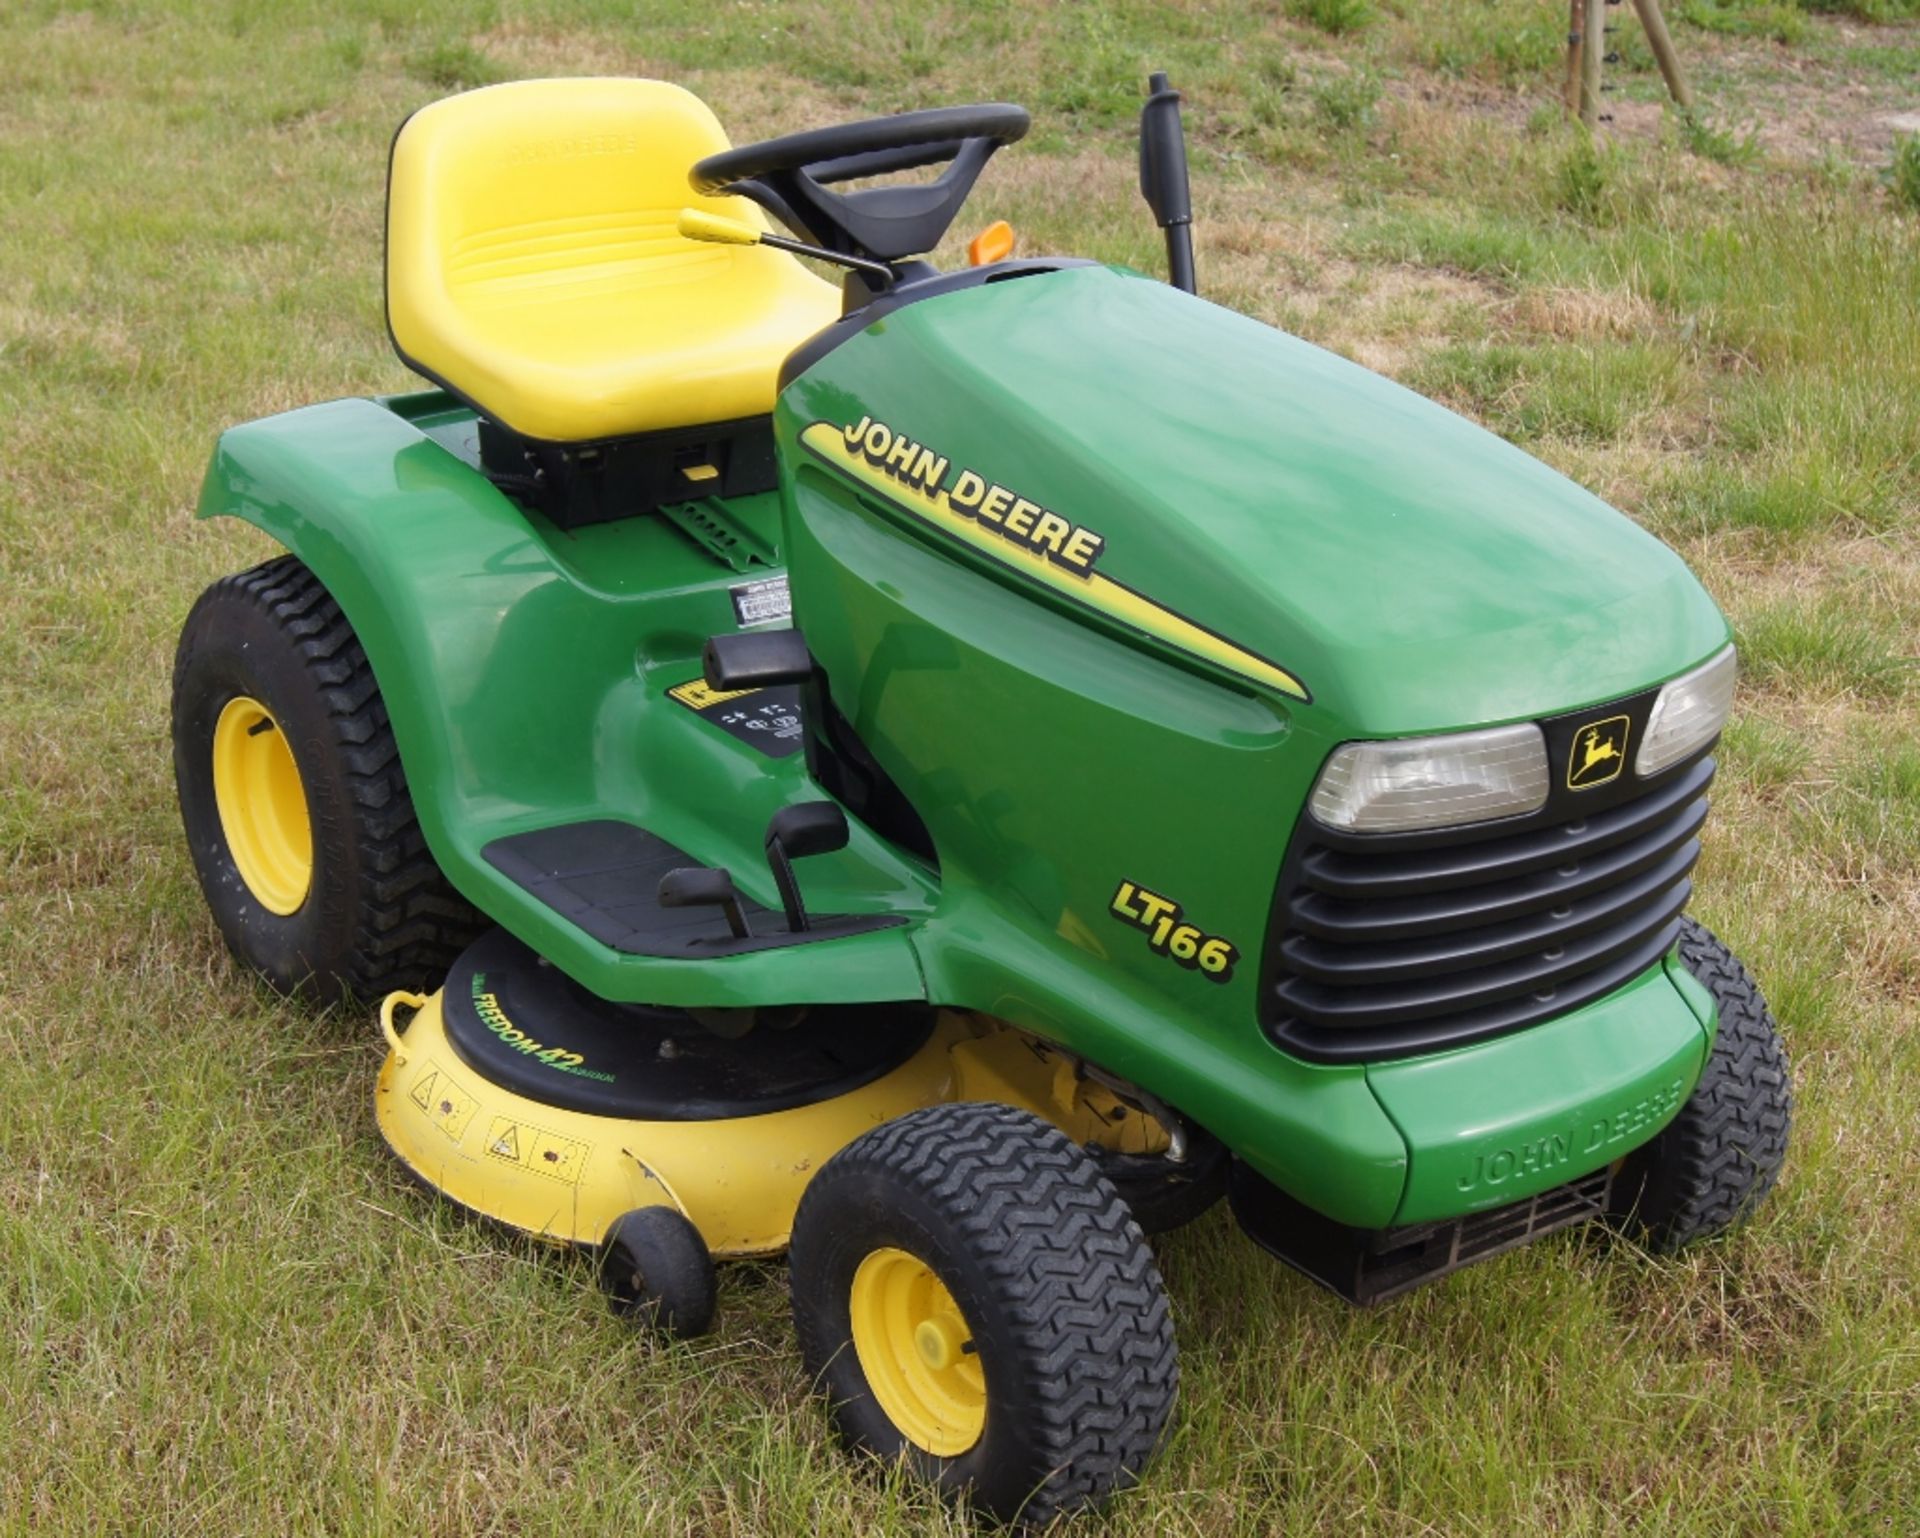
(527, 1099)
(530, 1029)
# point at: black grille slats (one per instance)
(1538, 929)
(1370, 1266)
(1443, 993)
(1388, 946)
(1460, 866)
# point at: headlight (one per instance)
(1433, 782)
(1688, 714)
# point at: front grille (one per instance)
(1383, 946)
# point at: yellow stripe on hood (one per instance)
(1093, 591)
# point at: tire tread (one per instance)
(1717, 1160)
(1090, 1311)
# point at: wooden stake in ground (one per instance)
(1593, 45)
(1587, 47)
(1656, 26)
(1576, 30)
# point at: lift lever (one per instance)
(812, 827)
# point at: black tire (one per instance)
(1065, 1308)
(1164, 1196)
(378, 914)
(1716, 1161)
(657, 1272)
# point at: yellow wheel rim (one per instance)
(263, 805)
(915, 1347)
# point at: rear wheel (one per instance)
(972, 1295)
(1717, 1160)
(296, 808)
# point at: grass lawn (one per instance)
(222, 1308)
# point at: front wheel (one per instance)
(972, 1294)
(1716, 1161)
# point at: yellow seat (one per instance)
(534, 267)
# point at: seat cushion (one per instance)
(535, 269)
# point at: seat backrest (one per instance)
(538, 192)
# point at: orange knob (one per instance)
(993, 244)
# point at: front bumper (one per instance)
(1499, 1121)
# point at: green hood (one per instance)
(1413, 571)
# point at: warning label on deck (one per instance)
(533, 1148)
(447, 1105)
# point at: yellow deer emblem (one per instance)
(1593, 750)
(1597, 745)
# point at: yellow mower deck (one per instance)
(565, 1175)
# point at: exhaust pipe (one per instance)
(1163, 177)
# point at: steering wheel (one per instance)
(791, 177)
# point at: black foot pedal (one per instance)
(702, 886)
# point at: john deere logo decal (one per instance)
(1599, 753)
(1017, 533)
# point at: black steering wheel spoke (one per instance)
(853, 168)
(794, 177)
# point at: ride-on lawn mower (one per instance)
(961, 769)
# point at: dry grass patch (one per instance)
(1581, 313)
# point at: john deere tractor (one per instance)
(946, 774)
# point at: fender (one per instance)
(525, 673)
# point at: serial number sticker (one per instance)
(1169, 934)
(768, 719)
(762, 602)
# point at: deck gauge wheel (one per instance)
(657, 1273)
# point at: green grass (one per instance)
(1714, 142)
(1511, 41)
(1905, 172)
(1335, 16)
(1595, 392)
(223, 1311)
(1778, 23)
(1828, 644)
